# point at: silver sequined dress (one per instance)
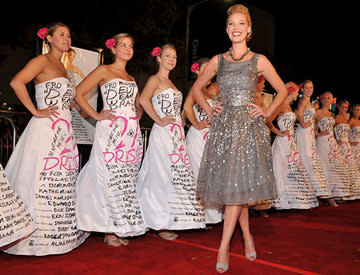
(236, 166)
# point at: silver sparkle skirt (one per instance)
(236, 166)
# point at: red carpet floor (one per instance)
(325, 240)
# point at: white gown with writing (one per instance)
(43, 169)
(342, 135)
(337, 176)
(355, 147)
(294, 188)
(166, 187)
(106, 187)
(195, 140)
(15, 220)
(306, 143)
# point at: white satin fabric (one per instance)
(15, 220)
(166, 187)
(294, 188)
(195, 140)
(106, 187)
(337, 176)
(42, 170)
(306, 144)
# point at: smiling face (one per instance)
(60, 39)
(124, 48)
(308, 89)
(326, 99)
(238, 27)
(343, 108)
(356, 111)
(167, 58)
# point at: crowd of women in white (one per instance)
(46, 207)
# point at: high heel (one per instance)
(222, 268)
(251, 256)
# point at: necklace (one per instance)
(240, 58)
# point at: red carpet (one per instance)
(325, 240)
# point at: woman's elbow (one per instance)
(14, 83)
(142, 101)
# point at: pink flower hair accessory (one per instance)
(195, 67)
(42, 33)
(156, 51)
(110, 43)
(291, 89)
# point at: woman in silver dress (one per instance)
(239, 172)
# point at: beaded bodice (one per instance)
(237, 81)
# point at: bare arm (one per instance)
(91, 81)
(145, 101)
(270, 74)
(32, 69)
(196, 90)
(269, 123)
(139, 109)
(301, 109)
(188, 108)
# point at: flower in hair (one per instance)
(195, 67)
(156, 51)
(291, 89)
(110, 43)
(300, 85)
(42, 33)
(260, 79)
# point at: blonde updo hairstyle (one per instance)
(323, 95)
(239, 8)
(295, 87)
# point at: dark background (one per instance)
(303, 40)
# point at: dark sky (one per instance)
(311, 42)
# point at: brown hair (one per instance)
(343, 101)
(120, 36)
(163, 47)
(239, 8)
(202, 61)
(53, 27)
